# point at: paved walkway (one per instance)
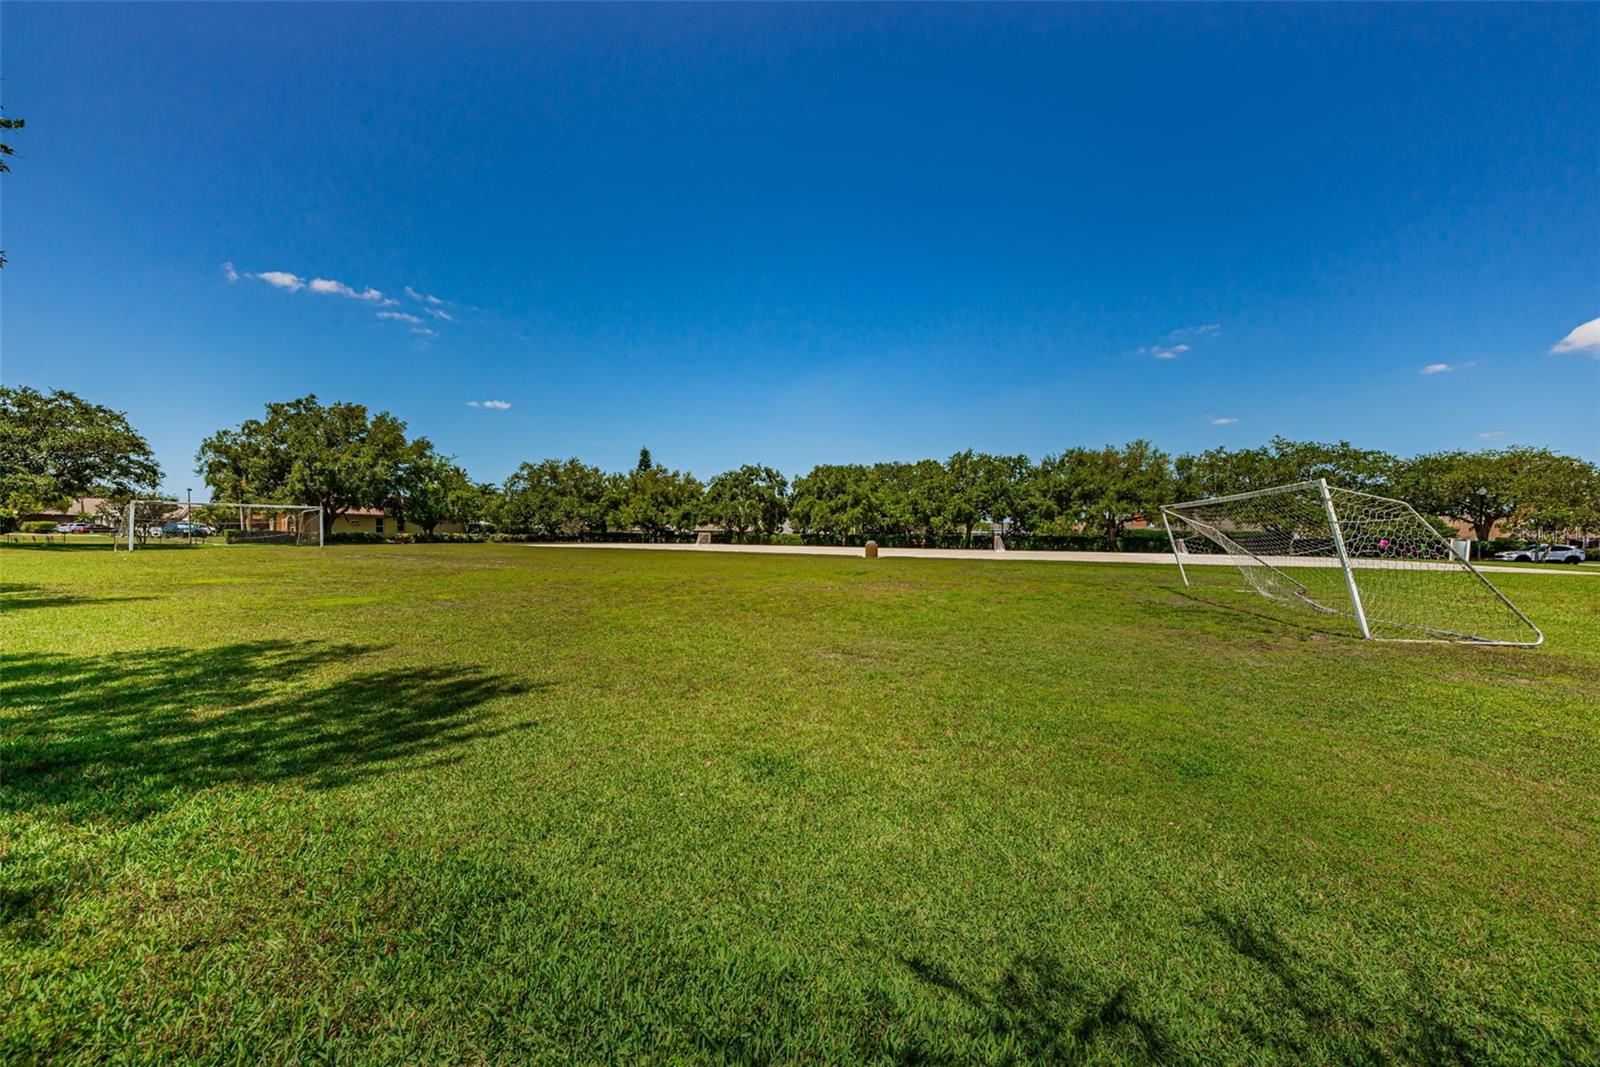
(1020, 555)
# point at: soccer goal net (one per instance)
(186, 524)
(1370, 559)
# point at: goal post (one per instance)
(188, 524)
(1371, 559)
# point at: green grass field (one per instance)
(490, 803)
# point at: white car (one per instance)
(1543, 554)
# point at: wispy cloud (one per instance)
(492, 405)
(1180, 341)
(333, 288)
(1493, 435)
(1163, 351)
(1446, 368)
(1224, 420)
(1582, 341)
(280, 279)
(289, 282)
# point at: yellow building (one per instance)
(374, 521)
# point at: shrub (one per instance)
(355, 537)
(38, 527)
(8, 521)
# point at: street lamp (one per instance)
(1483, 502)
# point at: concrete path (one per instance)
(1023, 556)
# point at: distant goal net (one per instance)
(1368, 559)
(188, 524)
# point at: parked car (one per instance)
(1543, 554)
(183, 529)
(84, 527)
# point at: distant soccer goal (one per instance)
(187, 524)
(1341, 552)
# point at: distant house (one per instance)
(84, 507)
(376, 521)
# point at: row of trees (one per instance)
(340, 456)
(1080, 489)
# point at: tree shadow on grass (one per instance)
(17, 597)
(1338, 1019)
(118, 737)
(1045, 1014)
(56, 543)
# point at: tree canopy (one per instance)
(1107, 488)
(336, 456)
(751, 497)
(431, 488)
(1530, 487)
(55, 446)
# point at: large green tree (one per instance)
(1107, 488)
(659, 501)
(1518, 487)
(555, 498)
(336, 456)
(835, 499)
(55, 446)
(431, 488)
(1222, 471)
(752, 497)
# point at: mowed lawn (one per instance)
(490, 803)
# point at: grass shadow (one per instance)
(57, 543)
(15, 597)
(1335, 1013)
(1047, 1014)
(118, 737)
(1305, 620)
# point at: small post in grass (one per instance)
(871, 550)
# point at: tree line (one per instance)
(340, 456)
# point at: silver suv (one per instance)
(1543, 554)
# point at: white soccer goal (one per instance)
(1341, 552)
(180, 523)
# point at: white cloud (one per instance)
(1493, 435)
(1224, 420)
(1177, 342)
(1446, 368)
(333, 288)
(492, 405)
(281, 279)
(294, 283)
(1583, 340)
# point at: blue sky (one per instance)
(797, 235)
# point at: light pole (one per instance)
(1483, 504)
